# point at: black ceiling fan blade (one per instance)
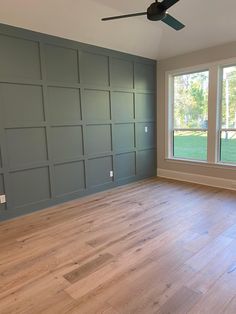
(123, 16)
(168, 3)
(172, 22)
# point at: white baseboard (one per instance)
(197, 178)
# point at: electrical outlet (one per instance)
(111, 174)
(2, 199)
(146, 129)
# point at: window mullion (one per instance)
(213, 105)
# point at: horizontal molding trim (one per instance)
(197, 178)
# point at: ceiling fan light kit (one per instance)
(157, 11)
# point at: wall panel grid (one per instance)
(74, 119)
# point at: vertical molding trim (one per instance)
(47, 119)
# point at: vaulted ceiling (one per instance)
(208, 23)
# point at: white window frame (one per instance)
(222, 67)
(214, 112)
(170, 112)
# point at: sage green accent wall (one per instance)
(70, 114)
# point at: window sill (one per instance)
(218, 165)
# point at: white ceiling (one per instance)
(208, 23)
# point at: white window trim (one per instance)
(221, 129)
(214, 111)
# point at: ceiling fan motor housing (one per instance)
(156, 12)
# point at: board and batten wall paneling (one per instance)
(70, 114)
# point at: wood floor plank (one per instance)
(218, 298)
(86, 269)
(181, 302)
(204, 279)
(231, 306)
(202, 258)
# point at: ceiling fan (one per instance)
(157, 11)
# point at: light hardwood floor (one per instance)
(155, 246)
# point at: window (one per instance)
(201, 114)
(228, 116)
(189, 129)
